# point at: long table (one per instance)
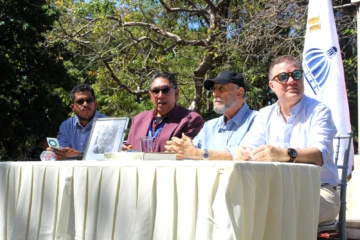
(158, 200)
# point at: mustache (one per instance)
(83, 108)
(217, 99)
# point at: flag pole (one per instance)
(357, 2)
(358, 65)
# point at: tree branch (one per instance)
(117, 80)
(176, 38)
(168, 9)
(211, 5)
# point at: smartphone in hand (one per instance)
(53, 142)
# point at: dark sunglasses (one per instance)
(87, 100)
(164, 90)
(284, 76)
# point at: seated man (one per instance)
(225, 132)
(295, 129)
(75, 131)
(167, 119)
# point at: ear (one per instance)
(72, 106)
(176, 93)
(240, 92)
(271, 85)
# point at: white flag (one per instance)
(323, 68)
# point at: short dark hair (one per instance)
(169, 76)
(81, 88)
(284, 59)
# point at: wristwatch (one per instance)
(205, 155)
(293, 154)
(80, 156)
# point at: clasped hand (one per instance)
(183, 147)
(265, 153)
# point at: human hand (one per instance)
(243, 153)
(64, 153)
(184, 148)
(270, 153)
(126, 147)
(173, 146)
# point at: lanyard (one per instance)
(157, 131)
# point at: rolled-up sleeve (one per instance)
(322, 132)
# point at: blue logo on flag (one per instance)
(316, 64)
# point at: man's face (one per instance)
(290, 91)
(165, 99)
(84, 105)
(224, 97)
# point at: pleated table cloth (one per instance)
(158, 200)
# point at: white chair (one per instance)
(339, 225)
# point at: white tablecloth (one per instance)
(353, 202)
(158, 200)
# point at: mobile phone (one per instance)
(53, 142)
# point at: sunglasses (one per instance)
(87, 100)
(284, 76)
(164, 90)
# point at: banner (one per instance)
(323, 70)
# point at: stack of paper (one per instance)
(115, 156)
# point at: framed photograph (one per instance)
(107, 135)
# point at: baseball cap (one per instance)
(224, 78)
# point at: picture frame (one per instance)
(107, 135)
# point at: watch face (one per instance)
(205, 154)
(292, 153)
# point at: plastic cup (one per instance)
(146, 144)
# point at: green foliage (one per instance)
(31, 72)
(245, 36)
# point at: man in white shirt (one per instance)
(295, 129)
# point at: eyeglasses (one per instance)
(284, 76)
(87, 100)
(156, 91)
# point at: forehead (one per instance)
(283, 67)
(227, 85)
(85, 94)
(159, 82)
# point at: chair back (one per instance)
(340, 225)
(345, 140)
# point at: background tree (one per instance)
(117, 45)
(33, 77)
(125, 41)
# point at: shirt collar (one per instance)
(77, 122)
(240, 115)
(294, 110)
(237, 118)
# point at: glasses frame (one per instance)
(88, 100)
(156, 91)
(289, 74)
